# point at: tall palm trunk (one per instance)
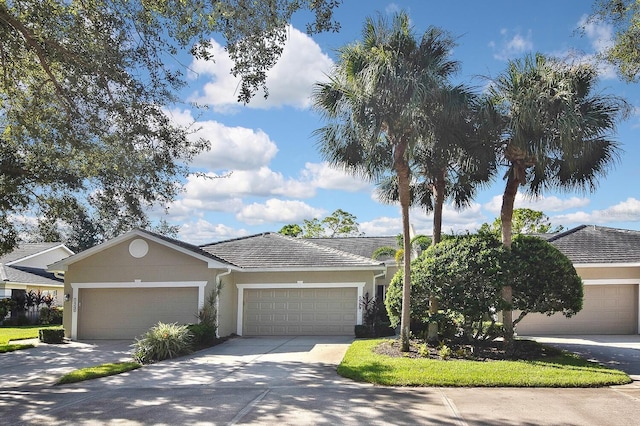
(402, 170)
(438, 205)
(506, 215)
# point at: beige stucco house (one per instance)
(270, 284)
(25, 269)
(608, 261)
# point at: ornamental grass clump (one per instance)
(163, 341)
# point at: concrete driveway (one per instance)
(275, 380)
(621, 352)
(44, 364)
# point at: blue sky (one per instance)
(277, 176)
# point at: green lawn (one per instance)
(19, 333)
(97, 371)
(565, 370)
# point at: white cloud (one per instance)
(322, 175)
(382, 226)
(232, 148)
(599, 33)
(626, 211)
(262, 182)
(277, 211)
(542, 203)
(601, 38)
(453, 221)
(289, 82)
(203, 232)
(511, 45)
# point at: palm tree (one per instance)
(454, 158)
(373, 104)
(557, 134)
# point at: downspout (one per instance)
(217, 288)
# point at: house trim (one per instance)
(607, 265)
(134, 284)
(612, 281)
(299, 284)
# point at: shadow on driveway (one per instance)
(621, 352)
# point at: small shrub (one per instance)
(464, 352)
(50, 315)
(6, 305)
(22, 319)
(204, 335)
(161, 342)
(362, 331)
(51, 335)
(423, 350)
(445, 352)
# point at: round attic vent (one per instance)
(138, 248)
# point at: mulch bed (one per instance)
(484, 351)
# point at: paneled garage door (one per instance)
(607, 309)
(308, 311)
(110, 313)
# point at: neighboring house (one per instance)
(608, 261)
(271, 284)
(25, 269)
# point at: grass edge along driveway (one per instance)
(9, 333)
(362, 364)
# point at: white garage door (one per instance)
(607, 309)
(309, 311)
(108, 313)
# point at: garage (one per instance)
(607, 309)
(300, 311)
(117, 313)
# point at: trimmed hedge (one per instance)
(51, 335)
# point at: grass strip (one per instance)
(97, 371)
(361, 363)
(14, 347)
(22, 332)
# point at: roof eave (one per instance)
(63, 265)
(607, 265)
(315, 268)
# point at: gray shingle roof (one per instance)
(26, 250)
(273, 250)
(362, 246)
(195, 249)
(24, 275)
(598, 244)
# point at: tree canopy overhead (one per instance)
(84, 89)
(624, 17)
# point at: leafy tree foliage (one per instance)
(84, 90)
(467, 275)
(463, 274)
(544, 280)
(624, 16)
(291, 230)
(338, 224)
(524, 221)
